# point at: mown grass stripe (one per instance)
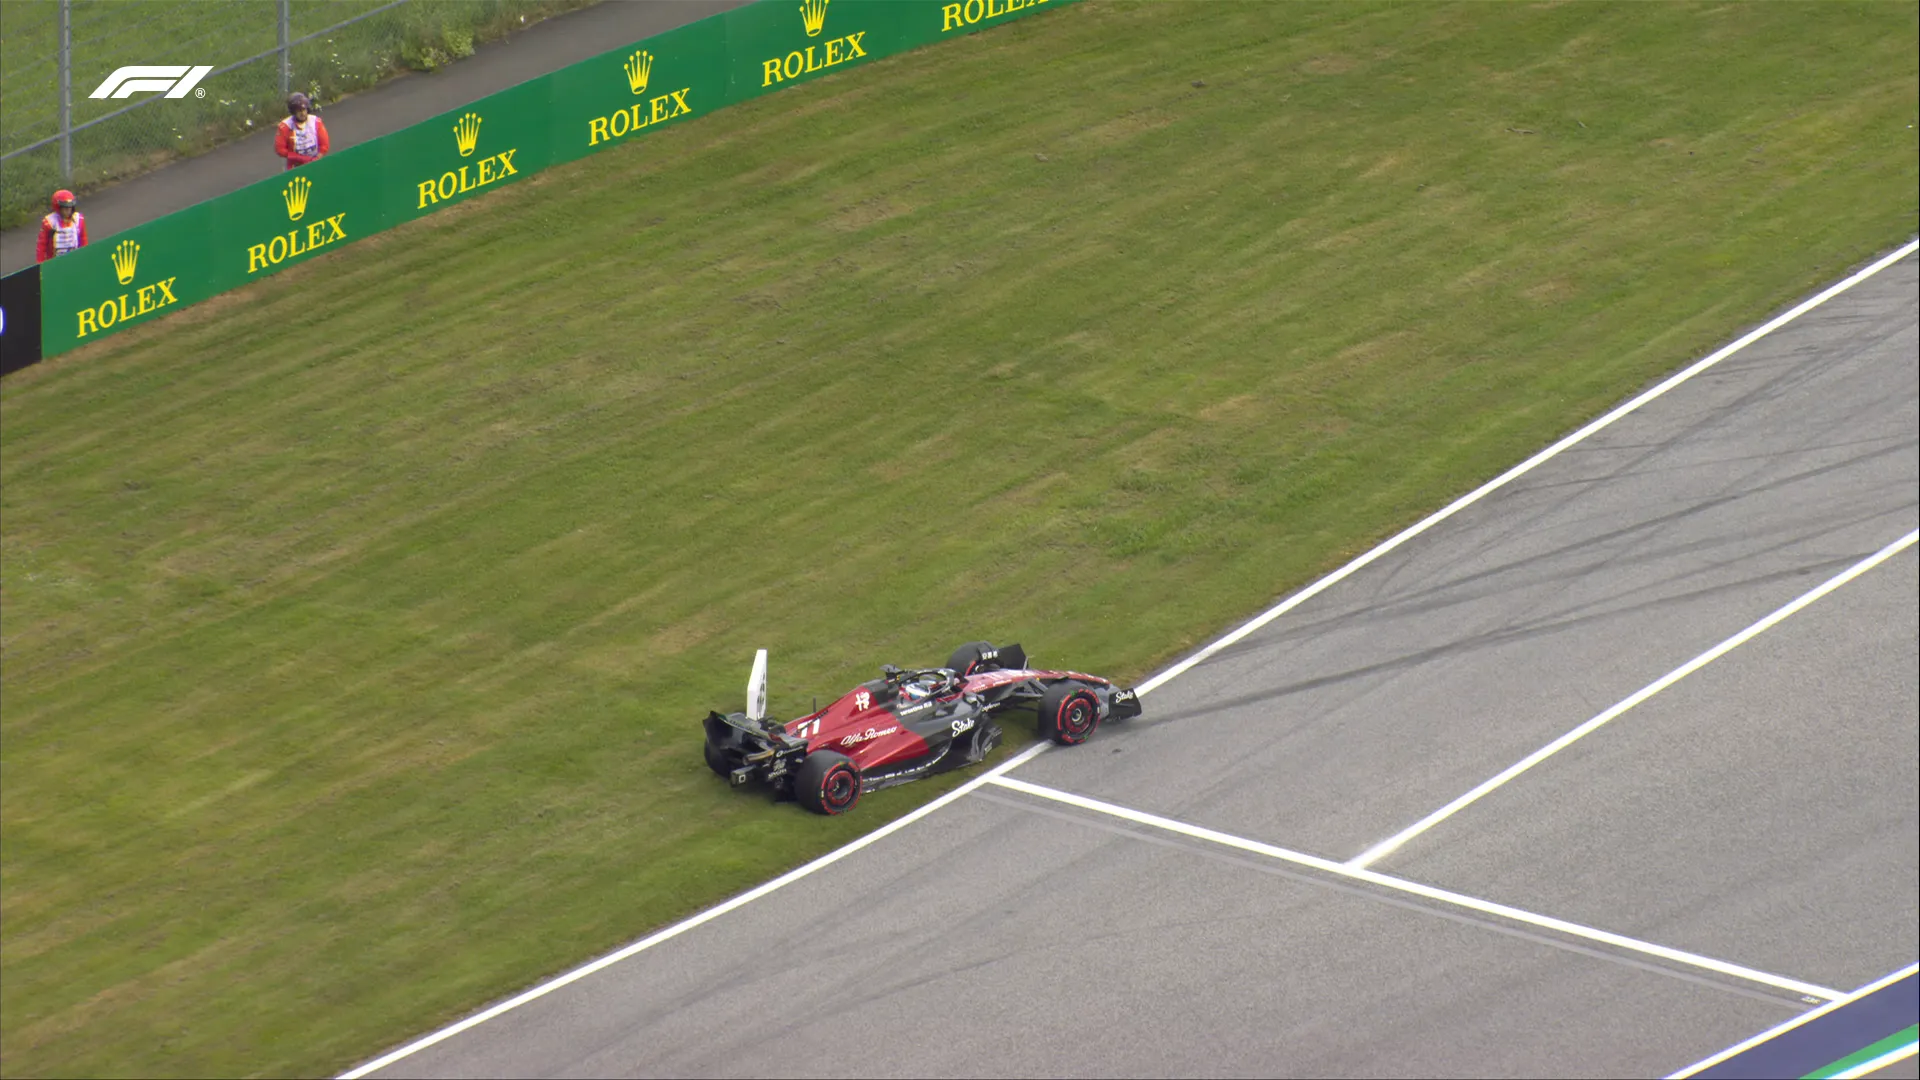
(356, 625)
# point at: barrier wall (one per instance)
(19, 320)
(223, 243)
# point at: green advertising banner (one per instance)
(224, 243)
(478, 147)
(774, 44)
(614, 97)
(777, 44)
(959, 18)
(266, 227)
(128, 279)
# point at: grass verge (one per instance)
(356, 624)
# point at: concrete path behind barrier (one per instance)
(406, 100)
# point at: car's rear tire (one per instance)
(1068, 713)
(827, 783)
(716, 760)
(967, 657)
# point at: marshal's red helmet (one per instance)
(61, 198)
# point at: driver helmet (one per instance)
(297, 101)
(61, 198)
(929, 683)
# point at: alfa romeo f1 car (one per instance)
(904, 725)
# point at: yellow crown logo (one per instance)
(296, 196)
(125, 258)
(466, 132)
(813, 13)
(639, 66)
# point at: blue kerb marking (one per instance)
(1822, 1042)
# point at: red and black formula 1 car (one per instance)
(904, 725)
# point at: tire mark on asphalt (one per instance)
(1447, 593)
(1477, 642)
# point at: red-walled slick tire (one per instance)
(1068, 714)
(827, 783)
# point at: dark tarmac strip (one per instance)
(1743, 835)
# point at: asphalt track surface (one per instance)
(1761, 811)
(1876, 1021)
(409, 99)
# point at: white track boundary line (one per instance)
(1867, 1068)
(683, 926)
(1163, 677)
(1805, 1017)
(1393, 843)
(1530, 464)
(1445, 896)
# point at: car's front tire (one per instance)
(1068, 713)
(827, 783)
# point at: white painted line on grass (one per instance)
(1805, 1017)
(1529, 465)
(1392, 843)
(1444, 896)
(682, 927)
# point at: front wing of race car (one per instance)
(1122, 703)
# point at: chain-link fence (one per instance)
(55, 53)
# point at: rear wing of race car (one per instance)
(1004, 658)
(757, 687)
(747, 744)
